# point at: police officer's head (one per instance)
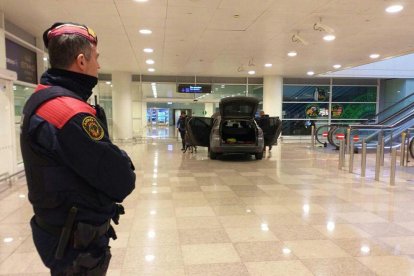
(72, 47)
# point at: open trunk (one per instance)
(238, 132)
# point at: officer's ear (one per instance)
(81, 62)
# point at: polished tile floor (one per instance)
(292, 213)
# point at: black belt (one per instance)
(56, 230)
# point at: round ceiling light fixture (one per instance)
(145, 31)
(251, 72)
(148, 50)
(310, 73)
(374, 56)
(292, 54)
(394, 8)
(337, 66)
(151, 70)
(268, 65)
(329, 37)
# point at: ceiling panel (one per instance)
(216, 37)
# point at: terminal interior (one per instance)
(332, 197)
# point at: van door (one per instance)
(274, 130)
(198, 129)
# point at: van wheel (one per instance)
(213, 155)
(259, 156)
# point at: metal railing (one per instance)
(8, 179)
(403, 148)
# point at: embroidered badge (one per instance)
(93, 128)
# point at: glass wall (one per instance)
(21, 94)
(307, 105)
(104, 90)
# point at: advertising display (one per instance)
(22, 61)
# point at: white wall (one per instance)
(8, 147)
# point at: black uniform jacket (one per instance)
(68, 156)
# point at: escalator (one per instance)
(391, 117)
(390, 133)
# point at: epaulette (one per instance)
(58, 111)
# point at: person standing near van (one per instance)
(181, 128)
(264, 124)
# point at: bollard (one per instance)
(313, 136)
(402, 151)
(363, 158)
(393, 165)
(407, 157)
(341, 155)
(351, 157)
(382, 147)
(348, 139)
(377, 163)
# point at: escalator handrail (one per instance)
(398, 113)
(391, 106)
(396, 124)
(318, 129)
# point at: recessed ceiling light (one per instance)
(394, 8)
(141, 1)
(337, 66)
(45, 58)
(8, 239)
(149, 61)
(148, 50)
(151, 70)
(108, 82)
(329, 37)
(268, 65)
(145, 31)
(251, 72)
(292, 54)
(374, 56)
(310, 73)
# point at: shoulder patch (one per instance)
(93, 128)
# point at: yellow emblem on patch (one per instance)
(93, 128)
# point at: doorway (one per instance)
(158, 116)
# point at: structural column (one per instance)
(209, 108)
(2, 42)
(273, 95)
(121, 106)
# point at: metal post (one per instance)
(348, 139)
(407, 148)
(351, 157)
(313, 136)
(377, 163)
(402, 156)
(364, 158)
(341, 155)
(393, 165)
(382, 146)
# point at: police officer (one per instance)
(75, 175)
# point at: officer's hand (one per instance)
(119, 210)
